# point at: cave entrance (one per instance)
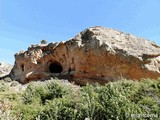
(55, 67)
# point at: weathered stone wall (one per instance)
(96, 54)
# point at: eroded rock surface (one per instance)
(96, 54)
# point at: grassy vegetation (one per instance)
(50, 100)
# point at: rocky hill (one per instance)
(96, 54)
(5, 68)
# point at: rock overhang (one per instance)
(96, 54)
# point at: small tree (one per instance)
(43, 42)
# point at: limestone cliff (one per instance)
(96, 54)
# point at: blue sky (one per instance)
(26, 22)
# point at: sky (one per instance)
(26, 22)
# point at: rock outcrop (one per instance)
(96, 54)
(5, 68)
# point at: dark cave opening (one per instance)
(55, 67)
(22, 66)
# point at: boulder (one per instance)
(96, 54)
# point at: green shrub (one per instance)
(3, 86)
(115, 100)
(31, 94)
(118, 100)
(40, 96)
(43, 92)
(90, 105)
(59, 109)
(148, 96)
(114, 97)
(53, 90)
(7, 79)
(12, 96)
(43, 42)
(27, 111)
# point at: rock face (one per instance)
(96, 54)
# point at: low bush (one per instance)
(3, 86)
(60, 109)
(43, 92)
(7, 79)
(14, 83)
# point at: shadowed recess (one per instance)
(55, 67)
